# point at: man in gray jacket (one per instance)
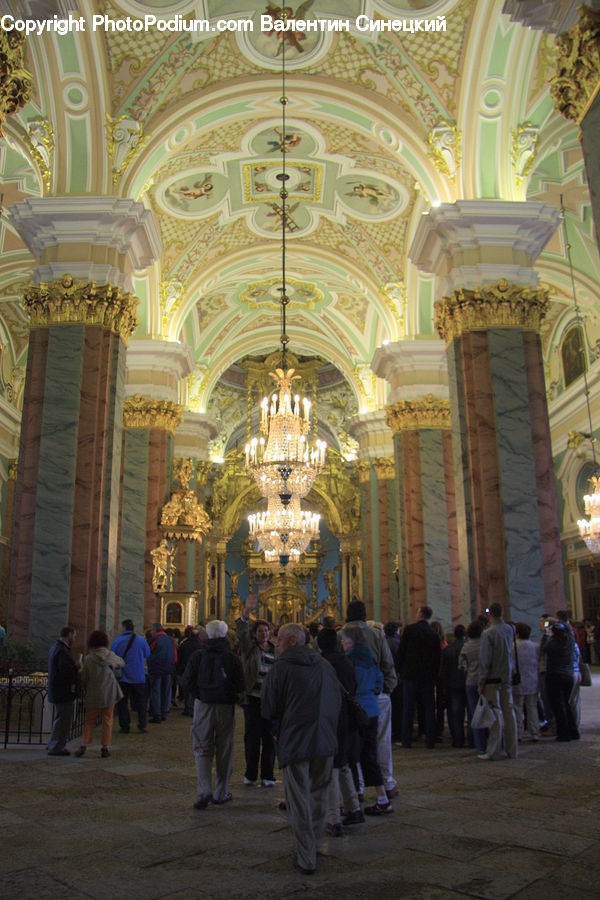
(495, 683)
(301, 692)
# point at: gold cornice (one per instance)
(67, 302)
(495, 306)
(140, 412)
(413, 415)
(15, 80)
(385, 468)
(364, 470)
(578, 65)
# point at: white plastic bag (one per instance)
(483, 715)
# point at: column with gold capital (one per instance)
(376, 475)
(489, 316)
(82, 313)
(149, 429)
(419, 416)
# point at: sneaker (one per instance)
(248, 782)
(104, 752)
(379, 809)
(226, 799)
(64, 752)
(482, 756)
(393, 792)
(202, 802)
(335, 830)
(354, 818)
(79, 753)
(268, 782)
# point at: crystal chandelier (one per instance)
(282, 461)
(589, 529)
(284, 532)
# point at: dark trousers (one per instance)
(257, 731)
(134, 697)
(559, 689)
(368, 756)
(61, 727)
(457, 703)
(413, 693)
(396, 698)
(160, 694)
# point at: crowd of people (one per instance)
(327, 701)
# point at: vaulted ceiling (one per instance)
(380, 126)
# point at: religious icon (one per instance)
(573, 355)
(284, 144)
(163, 559)
(276, 215)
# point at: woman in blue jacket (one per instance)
(369, 682)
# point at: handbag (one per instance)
(483, 714)
(516, 676)
(359, 719)
(586, 674)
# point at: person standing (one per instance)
(375, 640)
(134, 650)
(214, 675)
(558, 651)
(62, 686)
(469, 663)
(454, 686)
(258, 655)
(302, 693)
(193, 640)
(495, 683)
(102, 690)
(419, 659)
(161, 668)
(525, 693)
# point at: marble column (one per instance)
(149, 428)
(419, 416)
(489, 317)
(8, 514)
(154, 372)
(378, 504)
(81, 310)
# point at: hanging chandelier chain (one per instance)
(283, 194)
(581, 325)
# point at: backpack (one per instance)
(211, 678)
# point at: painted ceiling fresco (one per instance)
(379, 126)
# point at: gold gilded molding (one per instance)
(413, 415)
(385, 468)
(364, 471)
(495, 306)
(124, 140)
(68, 302)
(12, 469)
(15, 80)
(40, 141)
(183, 517)
(578, 65)
(445, 151)
(140, 412)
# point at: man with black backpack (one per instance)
(214, 675)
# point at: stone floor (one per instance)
(124, 827)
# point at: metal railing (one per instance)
(26, 711)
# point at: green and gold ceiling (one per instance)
(379, 127)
